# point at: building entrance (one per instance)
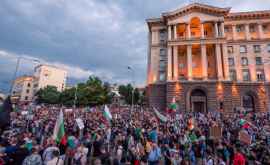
(198, 101)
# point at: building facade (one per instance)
(22, 90)
(47, 75)
(208, 58)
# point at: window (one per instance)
(252, 28)
(230, 49)
(231, 61)
(162, 76)
(162, 52)
(258, 60)
(163, 36)
(268, 48)
(29, 85)
(26, 98)
(27, 91)
(257, 48)
(181, 65)
(243, 49)
(246, 76)
(227, 29)
(244, 61)
(239, 28)
(162, 65)
(232, 75)
(260, 75)
(264, 28)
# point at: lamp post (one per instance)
(133, 84)
(17, 68)
(75, 96)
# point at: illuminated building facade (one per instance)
(22, 90)
(209, 58)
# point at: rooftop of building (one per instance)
(49, 66)
(24, 78)
(209, 9)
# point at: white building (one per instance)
(22, 90)
(47, 75)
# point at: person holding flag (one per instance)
(107, 114)
(172, 107)
(59, 130)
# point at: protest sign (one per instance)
(244, 137)
(216, 131)
(68, 110)
(80, 123)
(24, 112)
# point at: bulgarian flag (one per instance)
(173, 106)
(160, 116)
(107, 114)
(59, 130)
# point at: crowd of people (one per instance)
(135, 137)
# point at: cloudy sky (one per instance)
(86, 37)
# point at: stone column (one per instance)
(216, 29)
(225, 62)
(222, 29)
(189, 61)
(202, 30)
(169, 32)
(260, 31)
(219, 62)
(175, 63)
(188, 31)
(169, 64)
(175, 31)
(234, 32)
(247, 32)
(204, 62)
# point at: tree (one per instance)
(67, 97)
(126, 92)
(91, 93)
(48, 95)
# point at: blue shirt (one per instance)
(154, 155)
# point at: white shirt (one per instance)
(55, 161)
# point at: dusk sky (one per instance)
(86, 37)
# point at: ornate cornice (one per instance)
(197, 7)
(248, 15)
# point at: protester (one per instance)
(117, 137)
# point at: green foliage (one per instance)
(91, 93)
(48, 95)
(126, 92)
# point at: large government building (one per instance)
(207, 58)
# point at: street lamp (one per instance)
(16, 70)
(133, 84)
(75, 96)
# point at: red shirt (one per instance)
(239, 159)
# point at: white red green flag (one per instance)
(160, 116)
(59, 129)
(173, 106)
(107, 114)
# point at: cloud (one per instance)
(27, 64)
(87, 37)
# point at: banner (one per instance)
(68, 110)
(216, 131)
(80, 123)
(244, 137)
